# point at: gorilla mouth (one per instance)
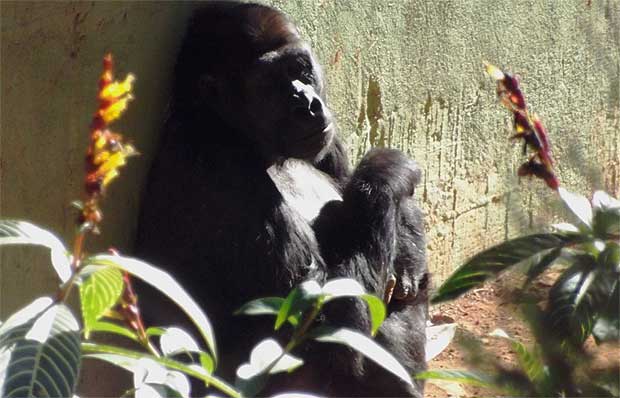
(310, 145)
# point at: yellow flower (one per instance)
(115, 90)
(115, 110)
(494, 71)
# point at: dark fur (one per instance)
(220, 224)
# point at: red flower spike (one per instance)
(528, 127)
(107, 152)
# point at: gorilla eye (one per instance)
(299, 69)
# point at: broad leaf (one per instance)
(602, 200)
(343, 287)
(492, 261)
(298, 300)
(579, 205)
(365, 345)
(98, 293)
(261, 306)
(606, 222)
(531, 362)
(459, 376)
(176, 340)
(607, 326)
(609, 258)
(566, 228)
(25, 315)
(155, 331)
(151, 379)
(14, 232)
(346, 287)
(266, 358)
(42, 355)
(109, 327)
(438, 337)
(377, 310)
(542, 261)
(571, 310)
(167, 285)
(121, 356)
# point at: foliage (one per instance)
(584, 301)
(42, 345)
(547, 368)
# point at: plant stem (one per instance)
(298, 336)
(167, 362)
(78, 245)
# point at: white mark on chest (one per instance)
(303, 187)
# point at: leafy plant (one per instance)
(547, 368)
(42, 345)
(583, 301)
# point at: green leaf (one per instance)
(176, 340)
(207, 362)
(95, 350)
(458, 376)
(531, 362)
(41, 356)
(571, 309)
(492, 261)
(579, 205)
(609, 258)
(346, 287)
(266, 358)
(109, 327)
(606, 222)
(25, 314)
(98, 293)
(155, 331)
(13, 232)
(150, 378)
(261, 306)
(438, 337)
(363, 344)
(167, 285)
(342, 287)
(298, 300)
(607, 326)
(542, 261)
(377, 310)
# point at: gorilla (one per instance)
(251, 193)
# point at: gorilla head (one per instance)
(254, 71)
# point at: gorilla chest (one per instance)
(304, 188)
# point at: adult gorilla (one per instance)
(251, 193)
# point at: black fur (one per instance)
(220, 210)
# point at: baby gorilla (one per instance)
(251, 194)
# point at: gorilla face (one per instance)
(269, 88)
(285, 102)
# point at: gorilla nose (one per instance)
(305, 101)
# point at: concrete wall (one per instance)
(406, 74)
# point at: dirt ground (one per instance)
(480, 312)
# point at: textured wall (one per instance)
(51, 55)
(406, 74)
